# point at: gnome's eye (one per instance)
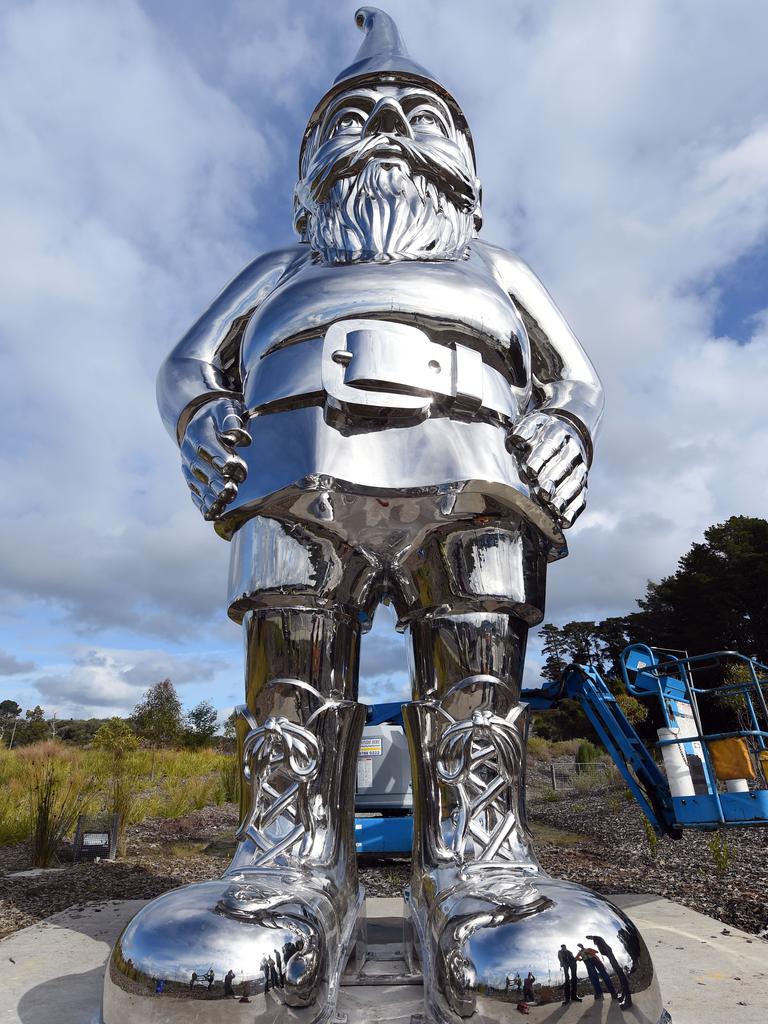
(425, 121)
(348, 122)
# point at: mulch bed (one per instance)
(603, 845)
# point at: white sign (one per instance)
(364, 772)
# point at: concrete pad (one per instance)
(710, 973)
(51, 973)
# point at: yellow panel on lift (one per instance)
(731, 760)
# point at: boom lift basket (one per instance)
(716, 779)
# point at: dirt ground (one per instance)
(596, 839)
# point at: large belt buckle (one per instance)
(367, 366)
(372, 367)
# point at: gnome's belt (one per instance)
(376, 368)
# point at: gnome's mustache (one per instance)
(423, 160)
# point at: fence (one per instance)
(569, 774)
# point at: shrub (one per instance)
(229, 774)
(14, 811)
(653, 839)
(587, 753)
(55, 804)
(720, 852)
(565, 748)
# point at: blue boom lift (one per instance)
(706, 780)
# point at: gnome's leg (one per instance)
(481, 907)
(300, 734)
(467, 731)
(291, 892)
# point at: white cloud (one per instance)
(149, 152)
(101, 682)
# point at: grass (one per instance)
(56, 799)
(720, 852)
(42, 786)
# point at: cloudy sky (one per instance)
(149, 151)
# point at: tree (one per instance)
(78, 731)
(157, 718)
(230, 726)
(553, 649)
(116, 738)
(718, 597)
(582, 645)
(118, 741)
(201, 724)
(9, 713)
(34, 729)
(613, 634)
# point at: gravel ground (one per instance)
(614, 855)
(596, 839)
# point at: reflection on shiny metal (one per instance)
(291, 892)
(389, 410)
(483, 911)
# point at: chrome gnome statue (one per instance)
(389, 410)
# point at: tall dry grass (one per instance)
(45, 786)
(56, 799)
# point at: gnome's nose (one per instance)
(387, 118)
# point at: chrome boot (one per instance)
(495, 935)
(276, 930)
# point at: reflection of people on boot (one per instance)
(229, 977)
(621, 975)
(210, 977)
(273, 975)
(596, 970)
(265, 969)
(528, 987)
(280, 974)
(568, 964)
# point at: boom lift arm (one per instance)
(617, 734)
(705, 781)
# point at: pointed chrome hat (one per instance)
(383, 55)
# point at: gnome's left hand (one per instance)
(553, 463)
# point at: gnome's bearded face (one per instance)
(387, 174)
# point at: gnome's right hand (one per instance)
(208, 460)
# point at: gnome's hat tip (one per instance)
(381, 33)
(382, 49)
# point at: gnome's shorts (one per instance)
(423, 568)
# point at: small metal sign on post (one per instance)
(96, 837)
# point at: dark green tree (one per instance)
(9, 715)
(554, 652)
(582, 644)
(157, 718)
(613, 635)
(78, 731)
(201, 724)
(718, 597)
(34, 728)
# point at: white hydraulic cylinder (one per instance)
(675, 765)
(737, 785)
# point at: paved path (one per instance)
(51, 973)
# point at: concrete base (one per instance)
(51, 973)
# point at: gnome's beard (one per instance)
(387, 212)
